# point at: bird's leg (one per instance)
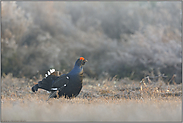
(57, 94)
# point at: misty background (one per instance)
(126, 39)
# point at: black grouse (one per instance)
(68, 85)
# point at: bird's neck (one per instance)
(78, 66)
(77, 70)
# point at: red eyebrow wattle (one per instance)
(81, 58)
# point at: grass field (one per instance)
(120, 38)
(99, 100)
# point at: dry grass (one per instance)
(99, 100)
(78, 109)
(128, 39)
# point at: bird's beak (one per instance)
(86, 60)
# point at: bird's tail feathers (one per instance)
(35, 88)
(47, 81)
(52, 72)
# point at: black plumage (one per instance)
(68, 85)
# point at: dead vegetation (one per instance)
(129, 45)
(127, 39)
(99, 100)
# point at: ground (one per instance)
(99, 100)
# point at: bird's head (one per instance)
(81, 61)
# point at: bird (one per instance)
(68, 85)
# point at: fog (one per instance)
(127, 39)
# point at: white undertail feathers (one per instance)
(50, 72)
